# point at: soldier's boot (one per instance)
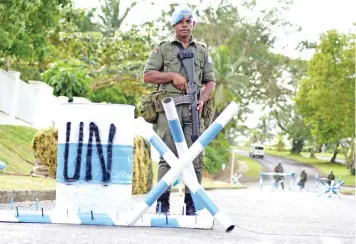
(189, 204)
(282, 184)
(163, 206)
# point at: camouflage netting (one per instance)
(44, 145)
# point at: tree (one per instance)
(110, 17)
(280, 143)
(68, 79)
(326, 97)
(25, 27)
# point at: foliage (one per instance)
(68, 79)
(217, 154)
(142, 172)
(280, 143)
(114, 95)
(326, 97)
(44, 145)
(26, 25)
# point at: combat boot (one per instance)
(189, 204)
(163, 206)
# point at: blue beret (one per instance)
(179, 14)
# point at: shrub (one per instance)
(44, 145)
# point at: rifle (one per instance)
(187, 58)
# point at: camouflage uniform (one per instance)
(164, 58)
(278, 178)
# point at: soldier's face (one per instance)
(184, 27)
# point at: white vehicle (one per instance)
(257, 151)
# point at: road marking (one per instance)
(330, 240)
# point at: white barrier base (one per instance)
(204, 221)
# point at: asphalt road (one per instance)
(269, 162)
(260, 217)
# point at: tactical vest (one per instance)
(172, 63)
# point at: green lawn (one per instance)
(9, 182)
(327, 155)
(15, 148)
(241, 147)
(207, 183)
(254, 167)
(324, 166)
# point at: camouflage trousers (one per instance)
(164, 132)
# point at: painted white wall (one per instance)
(33, 104)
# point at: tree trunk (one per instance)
(313, 149)
(333, 159)
(297, 146)
(7, 64)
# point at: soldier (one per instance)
(278, 178)
(165, 69)
(331, 177)
(303, 179)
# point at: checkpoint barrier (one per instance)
(334, 186)
(275, 184)
(95, 169)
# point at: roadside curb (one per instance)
(26, 195)
(47, 195)
(208, 188)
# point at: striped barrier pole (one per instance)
(181, 164)
(179, 141)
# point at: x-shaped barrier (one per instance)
(332, 188)
(183, 166)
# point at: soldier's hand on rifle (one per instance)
(180, 82)
(199, 107)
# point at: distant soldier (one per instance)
(331, 177)
(279, 178)
(303, 179)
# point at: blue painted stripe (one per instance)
(197, 204)
(156, 192)
(33, 218)
(210, 134)
(176, 130)
(162, 221)
(209, 204)
(121, 166)
(98, 219)
(159, 145)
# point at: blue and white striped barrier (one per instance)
(332, 188)
(108, 219)
(178, 166)
(276, 184)
(181, 144)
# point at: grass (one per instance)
(330, 155)
(348, 191)
(207, 183)
(15, 148)
(322, 165)
(241, 148)
(254, 167)
(9, 182)
(327, 155)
